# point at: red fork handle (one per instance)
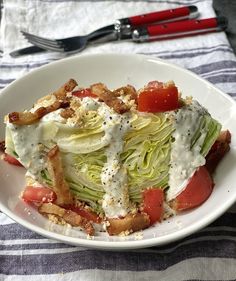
(179, 29)
(166, 15)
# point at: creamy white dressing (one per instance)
(53, 116)
(88, 103)
(114, 177)
(26, 142)
(184, 160)
(84, 105)
(44, 103)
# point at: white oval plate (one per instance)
(117, 70)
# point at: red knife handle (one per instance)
(182, 13)
(179, 29)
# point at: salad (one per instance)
(122, 159)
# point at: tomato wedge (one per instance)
(84, 93)
(197, 191)
(89, 215)
(218, 151)
(38, 194)
(153, 199)
(11, 160)
(157, 97)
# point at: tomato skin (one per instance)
(38, 194)
(84, 93)
(87, 214)
(11, 160)
(218, 151)
(158, 98)
(153, 199)
(197, 191)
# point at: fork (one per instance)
(70, 45)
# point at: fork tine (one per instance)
(34, 38)
(67, 45)
(45, 47)
(34, 41)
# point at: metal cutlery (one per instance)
(139, 34)
(121, 28)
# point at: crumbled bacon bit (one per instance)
(101, 91)
(67, 113)
(127, 90)
(27, 118)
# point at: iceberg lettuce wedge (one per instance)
(145, 154)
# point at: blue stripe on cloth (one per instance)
(34, 246)
(221, 78)
(164, 54)
(175, 55)
(225, 46)
(191, 52)
(6, 81)
(11, 231)
(138, 260)
(204, 68)
(223, 230)
(215, 233)
(24, 65)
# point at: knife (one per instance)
(127, 25)
(179, 29)
(167, 30)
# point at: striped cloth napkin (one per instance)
(209, 254)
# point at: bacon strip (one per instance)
(59, 185)
(28, 118)
(101, 91)
(130, 223)
(67, 87)
(218, 151)
(68, 216)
